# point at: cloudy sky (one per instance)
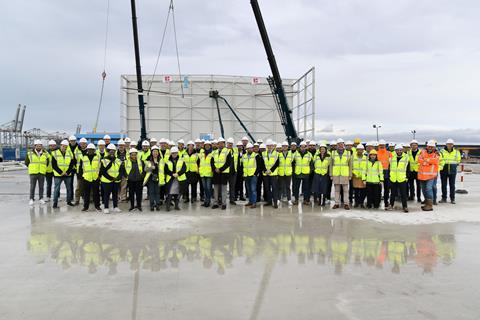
(405, 64)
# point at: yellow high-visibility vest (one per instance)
(270, 160)
(63, 161)
(249, 162)
(219, 159)
(302, 164)
(373, 172)
(38, 163)
(341, 165)
(285, 167)
(321, 166)
(90, 169)
(114, 170)
(205, 165)
(398, 169)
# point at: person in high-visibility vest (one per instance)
(341, 173)
(285, 171)
(270, 175)
(134, 173)
(89, 169)
(239, 192)
(174, 178)
(321, 164)
(252, 168)
(232, 179)
(413, 181)
(221, 160)
(164, 155)
(398, 177)
(359, 165)
(122, 155)
(384, 157)
(451, 158)
(206, 173)
(373, 176)
(303, 162)
(153, 168)
(52, 146)
(63, 165)
(191, 158)
(110, 177)
(428, 162)
(37, 162)
(80, 151)
(101, 149)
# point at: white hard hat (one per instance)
(431, 143)
(450, 141)
(71, 138)
(221, 139)
(121, 142)
(414, 141)
(190, 143)
(399, 146)
(133, 150)
(349, 142)
(171, 143)
(127, 140)
(91, 146)
(174, 150)
(382, 142)
(269, 142)
(333, 143)
(207, 142)
(249, 145)
(369, 144)
(101, 142)
(312, 142)
(163, 140)
(230, 140)
(64, 143)
(323, 145)
(375, 143)
(244, 138)
(256, 144)
(180, 141)
(145, 143)
(155, 148)
(303, 143)
(239, 143)
(52, 142)
(278, 146)
(38, 142)
(340, 140)
(105, 137)
(360, 146)
(260, 140)
(214, 141)
(111, 146)
(391, 143)
(153, 140)
(198, 141)
(285, 144)
(133, 143)
(83, 140)
(293, 143)
(262, 146)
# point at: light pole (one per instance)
(413, 132)
(377, 127)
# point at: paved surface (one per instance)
(292, 263)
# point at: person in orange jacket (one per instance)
(428, 162)
(384, 157)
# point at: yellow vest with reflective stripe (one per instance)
(114, 170)
(191, 162)
(63, 162)
(205, 166)
(128, 166)
(144, 155)
(90, 169)
(235, 154)
(341, 166)
(321, 166)
(49, 166)
(302, 164)
(219, 159)
(38, 164)
(270, 160)
(449, 158)
(180, 163)
(249, 163)
(398, 170)
(373, 172)
(359, 165)
(414, 161)
(78, 156)
(285, 167)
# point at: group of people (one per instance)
(222, 171)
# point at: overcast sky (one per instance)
(405, 64)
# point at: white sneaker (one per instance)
(42, 201)
(30, 203)
(47, 199)
(290, 203)
(117, 210)
(106, 211)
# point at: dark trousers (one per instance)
(110, 189)
(414, 185)
(329, 189)
(192, 181)
(304, 182)
(374, 194)
(448, 178)
(163, 192)
(135, 192)
(49, 179)
(259, 187)
(386, 186)
(360, 194)
(90, 188)
(395, 188)
(270, 186)
(239, 185)
(232, 181)
(284, 183)
(202, 191)
(33, 183)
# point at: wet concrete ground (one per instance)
(292, 263)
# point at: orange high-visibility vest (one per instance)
(384, 157)
(428, 165)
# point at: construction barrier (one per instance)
(462, 189)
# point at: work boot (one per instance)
(388, 208)
(336, 206)
(452, 201)
(176, 204)
(168, 202)
(186, 200)
(443, 201)
(428, 205)
(232, 202)
(253, 206)
(347, 207)
(84, 209)
(435, 203)
(405, 209)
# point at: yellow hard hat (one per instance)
(373, 152)
(357, 140)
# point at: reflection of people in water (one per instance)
(426, 253)
(397, 254)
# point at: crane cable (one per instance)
(176, 48)
(104, 74)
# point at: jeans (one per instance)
(153, 193)
(110, 188)
(434, 189)
(68, 184)
(251, 184)
(220, 194)
(427, 188)
(33, 184)
(448, 178)
(207, 189)
(49, 179)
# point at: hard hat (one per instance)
(375, 143)
(198, 141)
(180, 141)
(369, 144)
(83, 140)
(312, 142)
(262, 146)
(121, 142)
(340, 140)
(323, 145)
(38, 142)
(357, 141)
(333, 143)
(111, 146)
(100, 143)
(230, 140)
(414, 141)
(105, 137)
(133, 150)
(91, 146)
(155, 148)
(249, 145)
(52, 142)
(360, 146)
(220, 140)
(174, 150)
(239, 143)
(190, 143)
(244, 138)
(72, 138)
(269, 142)
(373, 152)
(450, 141)
(382, 142)
(127, 140)
(293, 143)
(208, 142)
(171, 143)
(256, 144)
(153, 140)
(279, 146)
(133, 143)
(145, 143)
(260, 141)
(163, 140)
(64, 143)
(349, 142)
(399, 146)
(303, 143)
(431, 143)
(391, 143)
(284, 144)
(214, 141)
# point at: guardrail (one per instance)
(12, 166)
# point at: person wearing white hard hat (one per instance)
(414, 187)
(398, 178)
(154, 166)
(63, 166)
(101, 150)
(153, 142)
(450, 159)
(79, 152)
(107, 139)
(89, 169)
(146, 152)
(428, 164)
(133, 171)
(341, 174)
(391, 147)
(214, 144)
(321, 164)
(384, 156)
(270, 175)
(52, 146)
(303, 163)
(175, 178)
(181, 148)
(110, 177)
(122, 155)
(198, 145)
(244, 143)
(240, 181)
(221, 161)
(349, 147)
(232, 178)
(128, 143)
(37, 162)
(191, 159)
(285, 172)
(206, 173)
(252, 164)
(359, 164)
